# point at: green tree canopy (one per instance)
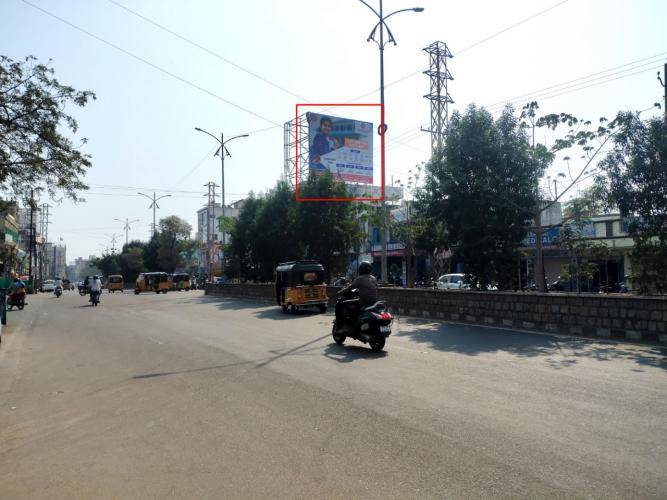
(635, 181)
(482, 188)
(35, 151)
(173, 231)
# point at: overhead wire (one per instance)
(152, 65)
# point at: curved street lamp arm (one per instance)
(149, 197)
(367, 5)
(413, 9)
(235, 137)
(207, 133)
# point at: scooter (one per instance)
(371, 325)
(58, 292)
(95, 298)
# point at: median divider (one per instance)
(621, 317)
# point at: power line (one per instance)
(207, 50)
(152, 65)
(486, 39)
(586, 76)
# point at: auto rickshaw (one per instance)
(115, 282)
(180, 281)
(152, 282)
(301, 284)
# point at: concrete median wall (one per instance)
(623, 317)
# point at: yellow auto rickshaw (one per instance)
(152, 282)
(180, 281)
(115, 282)
(301, 284)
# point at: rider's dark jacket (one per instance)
(368, 289)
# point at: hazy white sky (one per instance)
(141, 128)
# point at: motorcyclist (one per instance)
(18, 290)
(367, 287)
(58, 285)
(95, 287)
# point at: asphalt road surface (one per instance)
(184, 396)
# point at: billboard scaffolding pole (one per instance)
(295, 132)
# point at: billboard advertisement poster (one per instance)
(341, 145)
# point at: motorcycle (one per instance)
(95, 298)
(16, 300)
(58, 292)
(371, 325)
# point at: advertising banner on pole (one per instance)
(341, 145)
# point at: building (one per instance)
(11, 256)
(209, 220)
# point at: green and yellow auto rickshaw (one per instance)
(301, 284)
(152, 282)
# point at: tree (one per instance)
(634, 178)
(482, 188)
(132, 260)
(34, 150)
(330, 230)
(242, 250)
(579, 147)
(109, 263)
(173, 231)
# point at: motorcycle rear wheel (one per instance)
(338, 338)
(377, 344)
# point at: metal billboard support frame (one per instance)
(291, 129)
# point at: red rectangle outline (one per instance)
(296, 171)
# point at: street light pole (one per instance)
(383, 127)
(126, 226)
(154, 205)
(223, 152)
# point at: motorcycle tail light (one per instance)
(385, 315)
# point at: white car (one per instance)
(48, 286)
(454, 281)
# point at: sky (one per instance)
(154, 88)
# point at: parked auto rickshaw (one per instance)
(115, 282)
(180, 281)
(301, 284)
(152, 282)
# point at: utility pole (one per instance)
(664, 86)
(382, 129)
(126, 226)
(210, 219)
(555, 190)
(31, 243)
(113, 238)
(154, 205)
(45, 229)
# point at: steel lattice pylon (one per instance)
(439, 94)
(296, 136)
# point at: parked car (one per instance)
(454, 281)
(48, 286)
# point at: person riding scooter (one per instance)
(367, 287)
(95, 288)
(58, 288)
(17, 297)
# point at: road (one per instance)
(185, 396)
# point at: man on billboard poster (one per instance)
(322, 144)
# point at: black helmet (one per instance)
(365, 268)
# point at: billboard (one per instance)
(341, 145)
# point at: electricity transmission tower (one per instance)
(439, 75)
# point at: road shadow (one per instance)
(559, 352)
(352, 352)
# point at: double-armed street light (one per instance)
(126, 226)
(223, 151)
(154, 205)
(382, 129)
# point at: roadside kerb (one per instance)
(620, 317)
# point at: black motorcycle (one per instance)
(58, 292)
(16, 300)
(371, 325)
(95, 298)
